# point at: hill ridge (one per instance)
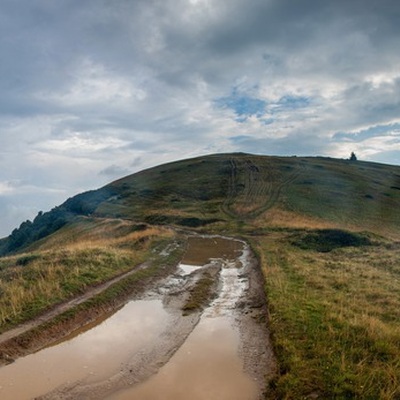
(224, 189)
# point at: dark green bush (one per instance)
(325, 240)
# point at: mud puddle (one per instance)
(93, 355)
(202, 249)
(207, 366)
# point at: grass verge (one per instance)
(333, 319)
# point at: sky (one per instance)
(93, 90)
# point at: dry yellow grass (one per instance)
(278, 217)
(63, 266)
(94, 232)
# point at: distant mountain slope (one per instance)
(236, 188)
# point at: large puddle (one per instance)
(93, 355)
(201, 250)
(205, 367)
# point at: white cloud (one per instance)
(80, 143)
(5, 188)
(92, 84)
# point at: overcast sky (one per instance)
(92, 90)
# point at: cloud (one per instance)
(114, 171)
(5, 188)
(93, 89)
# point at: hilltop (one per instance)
(224, 191)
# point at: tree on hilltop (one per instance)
(353, 156)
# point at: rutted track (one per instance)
(252, 189)
(245, 309)
(48, 316)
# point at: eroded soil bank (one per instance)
(150, 349)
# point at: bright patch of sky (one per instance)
(243, 106)
(371, 132)
(91, 91)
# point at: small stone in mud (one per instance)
(240, 305)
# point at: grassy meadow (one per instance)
(334, 318)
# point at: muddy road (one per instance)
(155, 347)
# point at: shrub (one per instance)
(325, 240)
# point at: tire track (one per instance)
(262, 188)
(57, 310)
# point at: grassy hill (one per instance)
(259, 191)
(229, 190)
(325, 231)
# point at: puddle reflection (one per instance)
(206, 367)
(94, 354)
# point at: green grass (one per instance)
(326, 240)
(334, 320)
(349, 194)
(200, 294)
(227, 190)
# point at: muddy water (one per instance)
(201, 250)
(208, 250)
(207, 366)
(94, 355)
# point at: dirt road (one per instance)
(236, 300)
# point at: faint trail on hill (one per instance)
(226, 207)
(259, 190)
(12, 333)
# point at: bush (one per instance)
(325, 240)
